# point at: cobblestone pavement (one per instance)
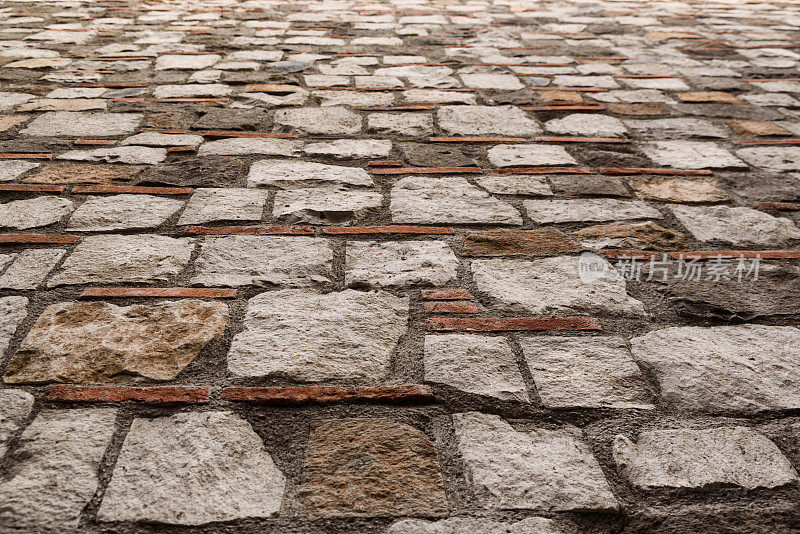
(399, 266)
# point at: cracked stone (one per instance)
(220, 204)
(288, 174)
(737, 226)
(122, 212)
(588, 209)
(400, 264)
(325, 205)
(512, 155)
(485, 120)
(16, 406)
(34, 212)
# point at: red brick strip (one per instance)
(186, 148)
(83, 189)
(49, 239)
(767, 142)
(31, 187)
(385, 163)
(476, 139)
(627, 171)
(429, 170)
(159, 292)
(181, 100)
(406, 107)
(226, 133)
(450, 306)
(631, 255)
(18, 155)
(446, 294)
(778, 206)
(540, 170)
(705, 254)
(562, 108)
(249, 230)
(401, 230)
(287, 396)
(146, 395)
(582, 140)
(94, 142)
(508, 324)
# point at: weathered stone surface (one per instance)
(504, 82)
(325, 205)
(242, 260)
(476, 364)
(551, 286)
(461, 525)
(34, 212)
(313, 337)
(484, 120)
(122, 212)
(134, 155)
(588, 209)
(707, 458)
(371, 468)
(78, 124)
(328, 120)
(399, 263)
(682, 128)
(515, 184)
(288, 174)
(124, 258)
(99, 342)
(548, 470)
(188, 62)
(12, 311)
(240, 146)
(55, 469)
(220, 204)
(15, 406)
(585, 372)
(77, 173)
(512, 155)
(230, 474)
(745, 368)
(691, 155)
(350, 148)
(738, 226)
(435, 155)
(30, 268)
(206, 171)
(596, 185)
(757, 128)
(679, 189)
(162, 139)
(587, 124)
(773, 158)
(638, 236)
(233, 119)
(426, 200)
(543, 242)
(11, 169)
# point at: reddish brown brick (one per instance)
(159, 292)
(643, 109)
(764, 254)
(778, 206)
(18, 155)
(283, 396)
(134, 189)
(399, 230)
(145, 395)
(446, 294)
(429, 170)
(226, 133)
(249, 230)
(509, 324)
(385, 163)
(182, 149)
(628, 171)
(477, 139)
(767, 142)
(543, 242)
(94, 142)
(60, 239)
(582, 140)
(450, 306)
(563, 108)
(631, 254)
(540, 170)
(718, 97)
(757, 128)
(25, 187)
(577, 89)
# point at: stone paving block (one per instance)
(30, 268)
(703, 190)
(529, 155)
(73, 173)
(14, 310)
(588, 209)
(16, 406)
(691, 155)
(405, 124)
(683, 128)
(543, 470)
(122, 212)
(587, 124)
(745, 368)
(476, 364)
(399, 264)
(34, 212)
(78, 124)
(10, 170)
(230, 474)
(328, 121)
(325, 205)
(133, 155)
(482, 120)
(707, 458)
(313, 337)
(56, 465)
(515, 184)
(456, 525)
(776, 159)
(187, 62)
(350, 148)
(99, 342)
(371, 468)
(239, 146)
(288, 174)
(544, 242)
(219, 204)
(638, 236)
(737, 226)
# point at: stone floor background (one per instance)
(314, 267)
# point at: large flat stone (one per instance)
(327, 120)
(540, 242)
(587, 124)
(133, 155)
(312, 337)
(101, 342)
(371, 468)
(220, 204)
(688, 190)
(30, 268)
(240, 146)
(476, 364)
(288, 174)
(122, 212)
(464, 525)
(745, 368)
(691, 155)
(638, 236)
(739, 226)
(79, 124)
(529, 155)
(400, 263)
(16, 407)
(588, 209)
(350, 148)
(773, 158)
(708, 458)
(325, 205)
(124, 258)
(242, 260)
(12, 311)
(485, 120)
(54, 469)
(192, 469)
(547, 470)
(34, 212)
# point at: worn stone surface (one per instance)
(99, 342)
(638, 236)
(588, 209)
(330, 120)
(323, 205)
(313, 337)
(371, 468)
(232, 476)
(692, 155)
(483, 120)
(122, 212)
(515, 184)
(56, 464)
(737, 226)
(133, 155)
(34, 213)
(772, 158)
(706, 458)
(79, 124)
(76, 173)
(544, 242)
(529, 155)
(745, 368)
(350, 148)
(587, 124)
(683, 128)
(457, 525)
(703, 190)
(288, 174)
(475, 364)
(546, 470)
(16, 406)
(11, 169)
(224, 204)
(399, 264)
(30, 268)
(14, 310)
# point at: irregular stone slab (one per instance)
(133, 155)
(12, 311)
(758, 128)
(76, 173)
(638, 236)
(773, 158)
(163, 139)
(30, 268)
(124, 258)
(587, 124)
(313, 337)
(547, 470)
(515, 184)
(192, 90)
(459, 525)
(435, 154)
(78, 124)
(351, 148)
(740, 226)
(744, 368)
(543, 242)
(187, 62)
(588, 209)
(476, 364)
(595, 185)
(60, 104)
(707, 458)
(371, 468)
(585, 372)
(55, 468)
(16, 406)
(11, 169)
(233, 119)
(240, 146)
(242, 260)
(296, 174)
(408, 124)
(100, 342)
(328, 120)
(683, 128)
(34, 212)
(231, 475)
(511, 155)
(679, 189)
(325, 205)
(691, 155)
(483, 120)
(552, 286)
(399, 263)
(122, 212)
(220, 204)
(426, 200)
(500, 82)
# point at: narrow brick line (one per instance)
(450, 306)
(181, 100)
(385, 163)
(283, 396)
(540, 170)
(626, 171)
(509, 324)
(562, 108)
(476, 139)
(429, 170)
(409, 230)
(18, 155)
(779, 206)
(159, 292)
(182, 149)
(61, 239)
(575, 89)
(767, 142)
(225, 133)
(446, 294)
(582, 140)
(704, 254)
(94, 142)
(145, 395)
(31, 187)
(133, 189)
(249, 230)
